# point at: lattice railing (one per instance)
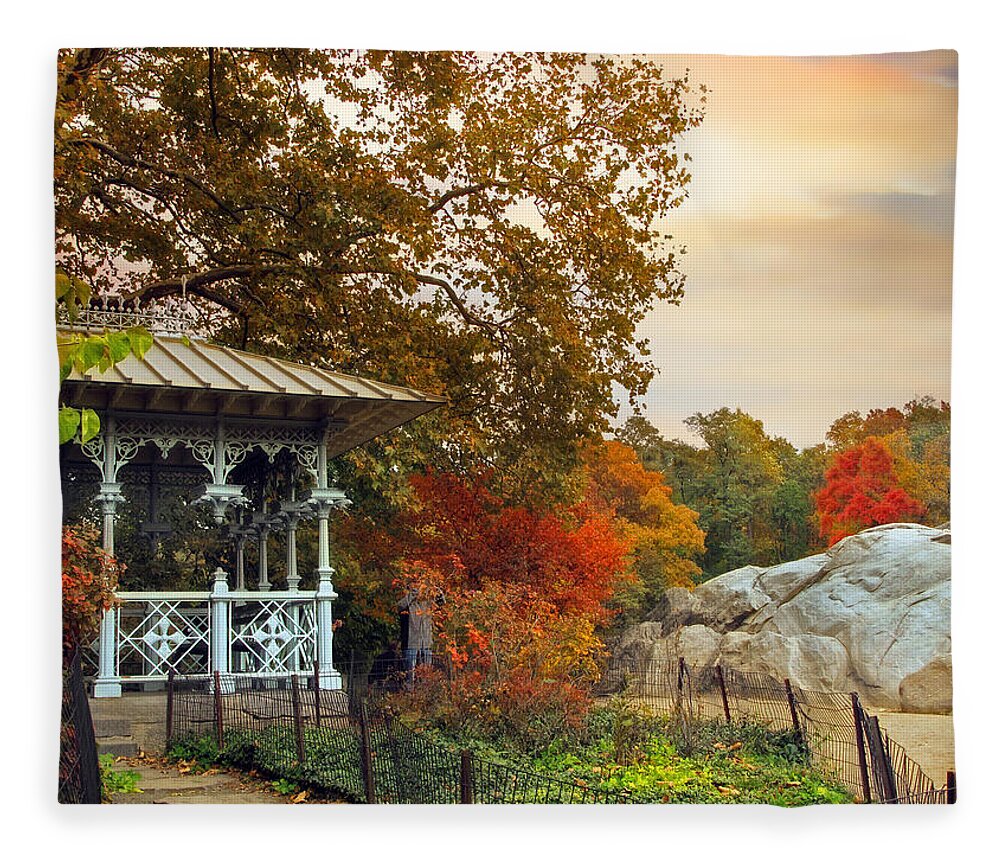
(194, 633)
(273, 636)
(163, 633)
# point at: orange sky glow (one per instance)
(819, 241)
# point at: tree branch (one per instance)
(464, 191)
(200, 283)
(129, 161)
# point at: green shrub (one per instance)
(117, 781)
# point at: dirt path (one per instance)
(929, 739)
(163, 782)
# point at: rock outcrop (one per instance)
(871, 614)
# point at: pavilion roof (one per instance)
(182, 375)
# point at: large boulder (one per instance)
(928, 690)
(676, 609)
(871, 614)
(697, 644)
(808, 661)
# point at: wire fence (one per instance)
(79, 773)
(293, 728)
(839, 735)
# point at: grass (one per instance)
(619, 753)
(117, 781)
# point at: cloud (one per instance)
(819, 241)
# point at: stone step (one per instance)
(117, 746)
(109, 727)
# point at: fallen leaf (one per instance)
(300, 797)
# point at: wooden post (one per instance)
(859, 738)
(218, 708)
(952, 789)
(793, 710)
(319, 712)
(367, 774)
(880, 757)
(466, 777)
(300, 750)
(170, 706)
(681, 668)
(721, 675)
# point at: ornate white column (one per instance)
(220, 457)
(324, 499)
(260, 520)
(241, 576)
(108, 685)
(291, 513)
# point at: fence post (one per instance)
(722, 689)
(170, 705)
(367, 773)
(952, 789)
(217, 691)
(300, 750)
(794, 710)
(859, 738)
(316, 699)
(681, 668)
(466, 777)
(881, 757)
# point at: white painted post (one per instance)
(262, 582)
(325, 501)
(108, 685)
(241, 577)
(219, 630)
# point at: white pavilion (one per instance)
(182, 420)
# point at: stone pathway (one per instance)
(163, 782)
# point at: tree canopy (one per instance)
(489, 227)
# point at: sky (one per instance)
(818, 236)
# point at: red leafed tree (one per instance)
(519, 584)
(862, 490)
(89, 577)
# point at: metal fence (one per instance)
(79, 773)
(294, 729)
(838, 734)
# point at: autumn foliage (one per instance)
(863, 490)
(522, 589)
(89, 577)
(664, 537)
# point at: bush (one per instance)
(520, 712)
(89, 579)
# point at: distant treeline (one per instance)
(762, 501)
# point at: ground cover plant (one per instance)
(648, 758)
(117, 781)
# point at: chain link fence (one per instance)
(839, 735)
(79, 772)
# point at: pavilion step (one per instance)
(110, 727)
(117, 746)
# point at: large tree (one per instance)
(489, 227)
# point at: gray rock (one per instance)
(698, 644)
(676, 609)
(872, 614)
(928, 690)
(725, 602)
